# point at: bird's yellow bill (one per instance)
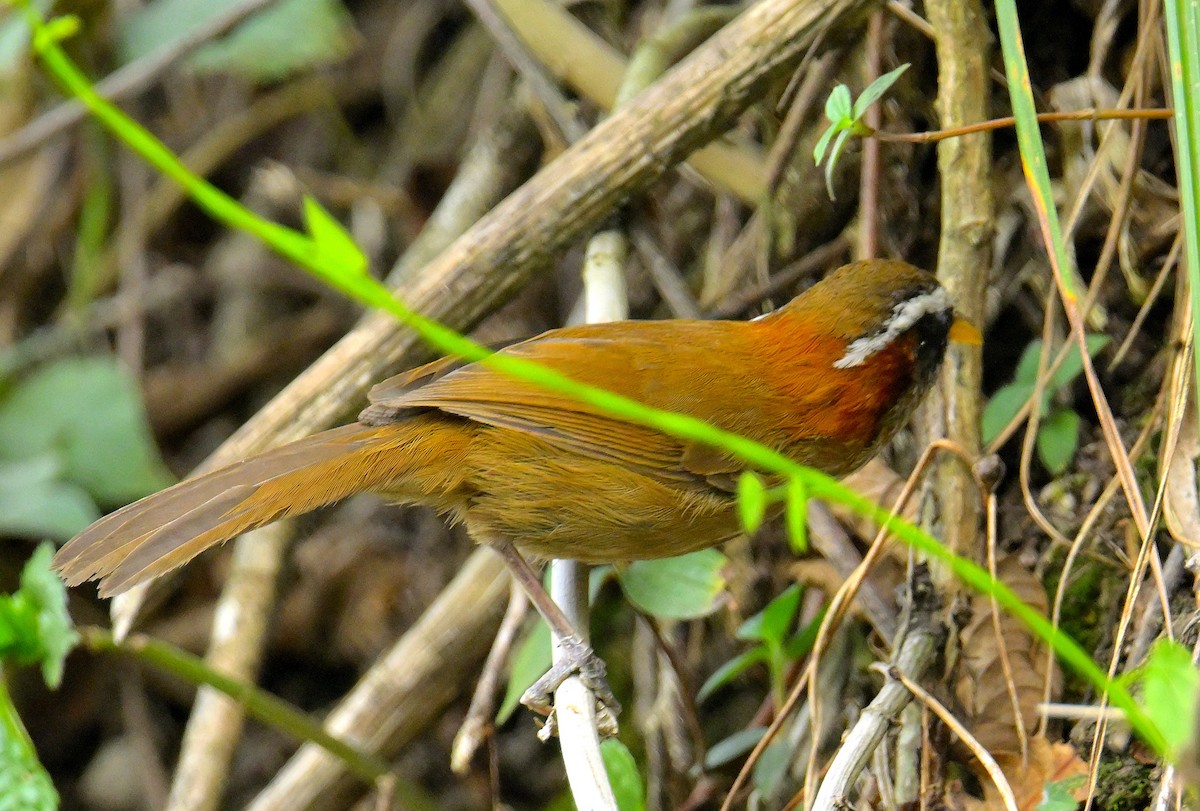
(964, 332)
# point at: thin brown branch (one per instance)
(871, 169)
(933, 136)
(964, 257)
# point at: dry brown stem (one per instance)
(964, 257)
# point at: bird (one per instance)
(827, 380)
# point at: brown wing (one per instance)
(643, 360)
(392, 391)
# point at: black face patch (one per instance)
(932, 332)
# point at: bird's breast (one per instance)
(836, 418)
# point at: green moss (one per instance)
(1085, 601)
(1124, 785)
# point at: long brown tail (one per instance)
(417, 459)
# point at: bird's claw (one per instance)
(576, 658)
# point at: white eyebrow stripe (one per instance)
(904, 315)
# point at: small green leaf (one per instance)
(683, 587)
(1057, 796)
(772, 624)
(20, 642)
(1072, 365)
(24, 783)
(335, 247)
(1169, 692)
(802, 643)
(771, 766)
(1003, 406)
(1027, 366)
(797, 515)
(48, 593)
(729, 749)
(623, 776)
(532, 659)
(838, 144)
(823, 143)
(1058, 436)
(779, 614)
(42, 508)
(88, 412)
(731, 670)
(838, 105)
(597, 577)
(35, 627)
(265, 48)
(875, 90)
(1068, 370)
(752, 502)
(289, 36)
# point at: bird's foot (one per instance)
(576, 658)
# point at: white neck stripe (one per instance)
(903, 316)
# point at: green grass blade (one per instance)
(1183, 44)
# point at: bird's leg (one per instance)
(576, 656)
